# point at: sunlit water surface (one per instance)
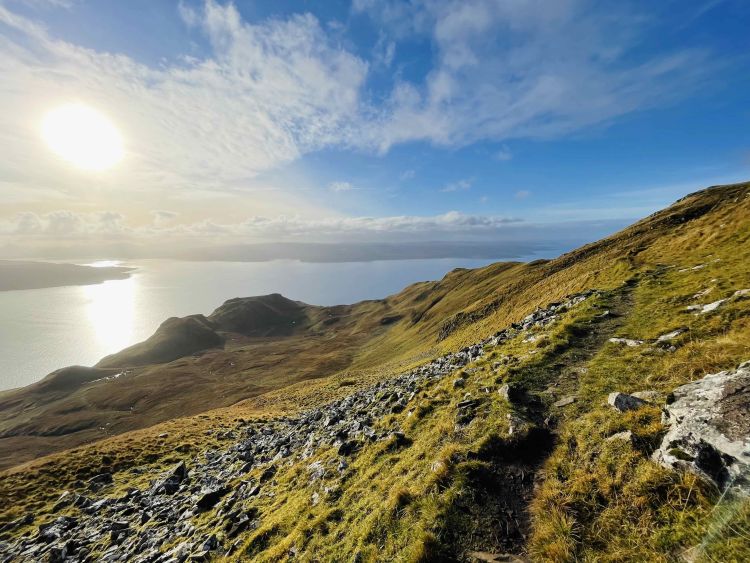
(45, 329)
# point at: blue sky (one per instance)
(368, 120)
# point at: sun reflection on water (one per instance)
(110, 308)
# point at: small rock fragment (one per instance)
(626, 436)
(671, 335)
(564, 402)
(626, 341)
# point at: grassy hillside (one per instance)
(537, 476)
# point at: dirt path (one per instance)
(492, 516)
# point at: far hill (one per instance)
(17, 274)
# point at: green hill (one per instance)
(457, 420)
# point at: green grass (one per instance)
(597, 500)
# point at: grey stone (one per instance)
(170, 483)
(170, 505)
(626, 436)
(631, 343)
(648, 396)
(99, 481)
(268, 473)
(703, 309)
(564, 402)
(511, 393)
(624, 402)
(669, 336)
(709, 429)
(210, 498)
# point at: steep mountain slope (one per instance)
(415, 448)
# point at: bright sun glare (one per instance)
(83, 136)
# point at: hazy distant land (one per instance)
(35, 275)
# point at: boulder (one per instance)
(709, 429)
(348, 447)
(209, 498)
(268, 473)
(66, 499)
(624, 402)
(211, 543)
(317, 470)
(510, 393)
(99, 481)
(170, 483)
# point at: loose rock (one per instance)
(624, 402)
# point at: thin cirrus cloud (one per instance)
(458, 186)
(514, 69)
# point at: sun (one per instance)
(83, 137)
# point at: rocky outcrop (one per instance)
(540, 317)
(709, 429)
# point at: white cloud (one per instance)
(407, 174)
(458, 186)
(275, 89)
(340, 186)
(65, 224)
(163, 217)
(188, 14)
(270, 92)
(522, 194)
(528, 68)
(453, 221)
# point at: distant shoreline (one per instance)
(20, 275)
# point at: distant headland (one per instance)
(16, 275)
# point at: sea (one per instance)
(42, 330)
